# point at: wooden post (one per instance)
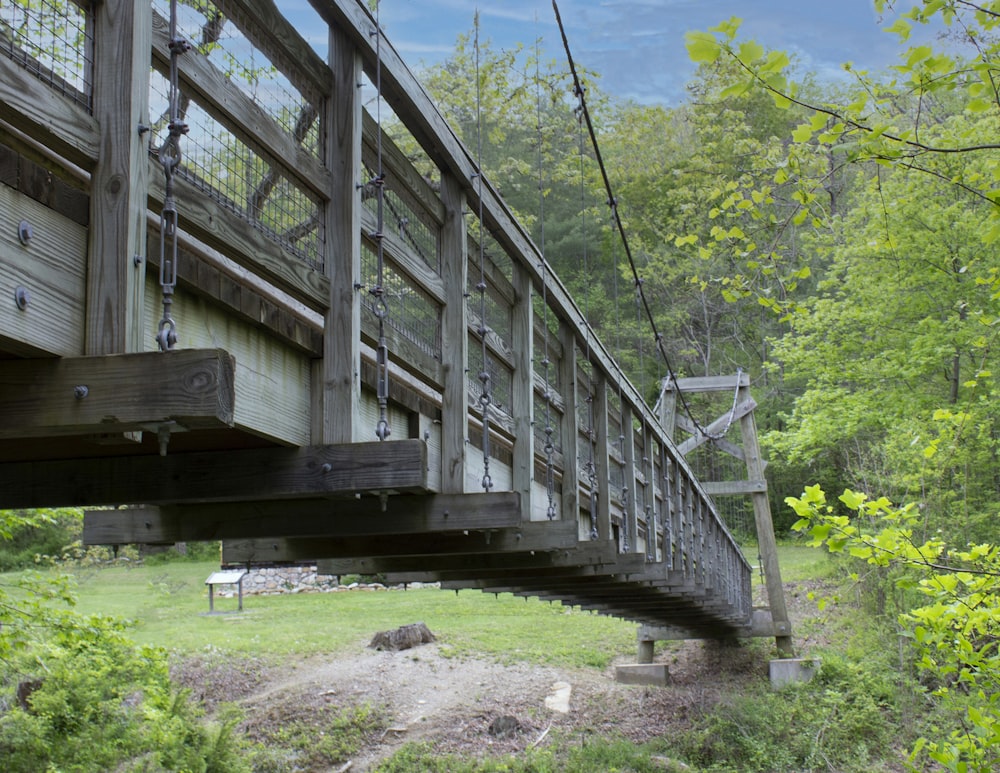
(337, 377)
(117, 232)
(599, 394)
(569, 431)
(765, 533)
(630, 517)
(523, 388)
(454, 338)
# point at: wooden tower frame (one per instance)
(754, 485)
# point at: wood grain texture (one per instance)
(52, 268)
(253, 475)
(328, 518)
(42, 113)
(236, 238)
(114, 311)
(217, 94)
(125, 392)
(454, 339)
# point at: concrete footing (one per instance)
(792, 671)
(651, 674)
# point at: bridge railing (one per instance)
(280, 241)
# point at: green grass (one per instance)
(169, 602)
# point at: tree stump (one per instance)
(402, 638)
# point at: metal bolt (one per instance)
(80, 391)
(326, 467)
(24, 231)
(137, 260)
(22, 298)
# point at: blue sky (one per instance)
(638, 45)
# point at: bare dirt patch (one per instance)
(478, 706)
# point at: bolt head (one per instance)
(22, 298)
(25, 232)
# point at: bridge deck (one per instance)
(258, 430)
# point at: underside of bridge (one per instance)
(324, 293)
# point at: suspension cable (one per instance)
(485, 380)
(170, 159)
(378, 292)
(620, 227)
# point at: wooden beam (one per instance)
(233, 236)
(341, 518)
(522, 539)
(218, 476)
(744, 407)
(210, 87)
(734, 487)
(193, 389)
(116, 282)
(42, 113)
(707, 383)
(263, 24)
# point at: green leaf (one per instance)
(751, 51)
(702, 47)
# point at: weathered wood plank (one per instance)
(454, 339)
(218, 476)
(115, 283)
(330, 518)
(734, 487)
(568, 431)
(524, 538)
(765, 531)
(51, 267)
(707, 383)
(409, 100)
(220, 96)
(272, 379)
(115, 393)
(522, 406)
(338, 392)
(238, 240)
(42, 113)
(741, 409)
(240, 298)
(264, 25)
(403, 259)
(403, 172)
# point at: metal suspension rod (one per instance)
(550, 484)
(485, 380)
(170, 159)
(378, 292)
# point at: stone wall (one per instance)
(274, 580)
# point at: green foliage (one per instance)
(26, 534)
(104, 703)
(955, 629)
(311, 737)
(593, 755)
(843, 720)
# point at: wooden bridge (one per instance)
(324, 288)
